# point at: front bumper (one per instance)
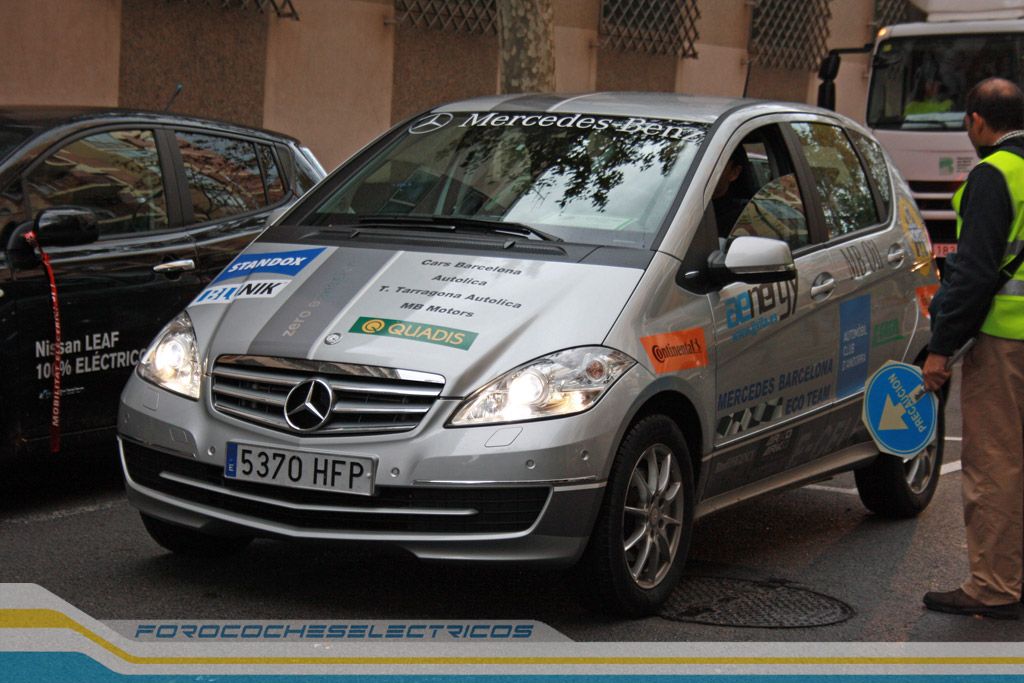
(528, 492)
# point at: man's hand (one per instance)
(935, 372)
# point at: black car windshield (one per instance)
(580, 178)
(11, 137)
(920, 83)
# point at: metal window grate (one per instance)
(657, 27)
(284, 9)
(455, 16)
(789, 34)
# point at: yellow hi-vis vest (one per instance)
(1006, 316)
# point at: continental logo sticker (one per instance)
(924, 298)
(403, 329)
(674, 351)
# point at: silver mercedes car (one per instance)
(544, 329)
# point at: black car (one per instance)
(137, 211)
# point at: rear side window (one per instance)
(839, 179)
(305, 176)
(275, 186)
(879, 170)
(223, 175)
(116, 174)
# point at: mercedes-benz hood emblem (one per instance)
(309, 404)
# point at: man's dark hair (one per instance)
(999, 101)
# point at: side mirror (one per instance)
(829, 68)
(66, 226)
(754, 260)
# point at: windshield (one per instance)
(11, 137)
(920, 83)
(580, 178)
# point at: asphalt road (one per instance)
(67, 527)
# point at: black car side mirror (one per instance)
(60, 226)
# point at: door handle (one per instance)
(896, 255)
(175, 266)
(822, 286)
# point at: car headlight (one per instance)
(172, 360)
(559, 384)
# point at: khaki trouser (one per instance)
(992, 398)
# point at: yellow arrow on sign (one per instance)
(892, 416)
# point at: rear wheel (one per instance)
(185, 541)
(897, 488)
(638, 547)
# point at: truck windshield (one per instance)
(920, 83)
(576, 177)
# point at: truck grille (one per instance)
(461, 510)
(363, 399)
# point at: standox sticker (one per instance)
(403, 329)
(924, 298)
(288, 263)
(674, 351)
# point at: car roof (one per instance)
(672, 106)
(40, 118)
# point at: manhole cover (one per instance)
(722, 601)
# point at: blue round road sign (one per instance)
(898, 412)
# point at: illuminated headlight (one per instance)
(563, 383)
(172, 360)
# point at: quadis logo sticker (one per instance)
(403, 329)
(253, 289)
(674, 351)
(288, 263)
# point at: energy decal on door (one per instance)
(763, 305)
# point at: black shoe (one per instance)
(958, 602)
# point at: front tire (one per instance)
(639, 543)
(185, 541)
(896, 488)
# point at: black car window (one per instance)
(305, 176)
(223, 175)
(116, 174)
(272, 176)
(879, 170)
(840, 180)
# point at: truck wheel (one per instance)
(897, 488)
(638, 547)
(185, 541)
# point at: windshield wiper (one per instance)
(453, 223)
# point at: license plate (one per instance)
(282, 467)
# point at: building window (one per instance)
(457, 16)
(789, 34)
(657, 27)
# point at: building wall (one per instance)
(436, 66)
(721, 65)
(329, 75)
(60, 52)
(850, 26)
(218, 55)
(576, 39)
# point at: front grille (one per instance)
(941, 230)
(367, 399)
(947, 186)
(462, 510)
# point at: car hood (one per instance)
(468, 318)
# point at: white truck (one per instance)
(920, 75)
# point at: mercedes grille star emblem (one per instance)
(428, 124)
(309, 404)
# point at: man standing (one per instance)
(976, 299)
